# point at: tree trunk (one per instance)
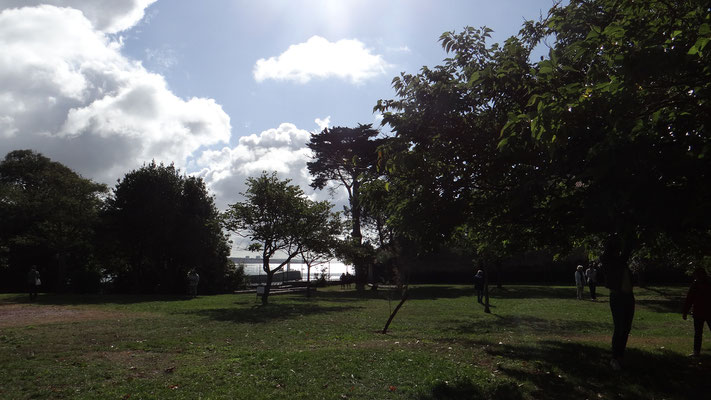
(405, 294)
(60, 278)
(361, 276)
(361, 272)
(267, 288)
(308, 279)
(486, 291)
(499, 274)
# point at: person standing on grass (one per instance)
(33, 282)
(698, 300)
(479, 286)
(622, 304)
(193, 280)
(591, 276)
(579, 281)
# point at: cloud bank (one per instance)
(282, 149)
(346, 59)
(109, 16)
(67, 91)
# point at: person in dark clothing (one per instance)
(698, 301)
(33, 281)
(622, 302)
(479, 286)
(591, 277)
(579, 282)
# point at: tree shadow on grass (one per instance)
(667, 291)
(347, 296)
(568, 370)
(532, 324)
(270, 312)
(533, 292)
(664, 300)
(428, 292)
(662, 306)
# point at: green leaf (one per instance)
(545, 67)
(475, 77)
(614, 31)
(532, 100)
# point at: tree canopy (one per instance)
(162, 225)
(606, 137)
(348, 157)
(49, 215)
(278, 219)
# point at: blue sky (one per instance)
(211, 50)
(223, 89)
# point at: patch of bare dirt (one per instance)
(32, 314)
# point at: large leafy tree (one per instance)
(278, 219)
(49, 214)
(160, 225)
(347, 157)
(604, 142)
(606, 137)
(445, 166)
(622, 108)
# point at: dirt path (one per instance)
(32, 314)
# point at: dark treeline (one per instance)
(142, 236)
(455, 267)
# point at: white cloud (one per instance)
(108, 16)
(399, 49)
(323, 123)
(161, 59)
(318, 58)
(68, 92)
(281, 149)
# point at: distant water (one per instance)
(333, 270)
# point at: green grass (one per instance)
(538, 343)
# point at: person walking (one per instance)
(698, 301)
(591, 276)
(479, 286)
(579, 282)
(33, 282)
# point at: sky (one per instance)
(223, 89)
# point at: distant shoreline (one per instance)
(249, 260)
(333, 269)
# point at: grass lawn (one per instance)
(538, 343)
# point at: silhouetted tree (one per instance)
(48, 217)
(161, 225)
(348, 157)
